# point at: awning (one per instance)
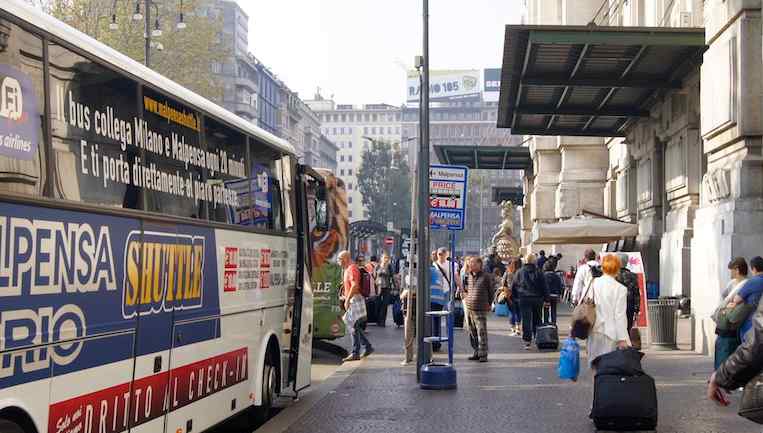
(486, 157)
(582, 230)
(588, 80)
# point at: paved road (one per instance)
(516, 391)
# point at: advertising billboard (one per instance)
(446, 85)
(492, 80)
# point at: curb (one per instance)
(325, 346)
(291, 414)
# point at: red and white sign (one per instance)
(123, 406)
(389, 241)
(230, 277)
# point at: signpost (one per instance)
(447, 197)
(447, 208)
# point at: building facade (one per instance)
(467, 124)
(689, 174)
(353, 129)
(238, 74)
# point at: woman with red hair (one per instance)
(610, 331)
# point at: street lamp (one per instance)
(156, 31)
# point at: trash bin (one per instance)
(663, 323)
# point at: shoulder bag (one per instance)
(584, 315)
(751, 405)
(730, 319)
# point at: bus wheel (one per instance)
(269, 383)
(7, 426)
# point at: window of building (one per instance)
(374, 118)
(397, 130)
(349, 186)
(351, 212)
(344, 118)
(349, 158)
(373, 131)
(349, 172)
(349, 200)
(365, 130)
(341, 158)
(365, 117)
(349, 145)
(341, 172)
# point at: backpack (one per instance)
(367, 288)
(596, 271)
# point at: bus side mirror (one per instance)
(322, 216)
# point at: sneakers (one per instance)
(528, 346)
(405, 363)
(483, 358)
(368, 351)
(474, 357)
(351, 358)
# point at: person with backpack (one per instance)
(585, 275)
(384, 281)
(441, 277)
(530, 286)
(352, 286)
(630, 281)
(555, 287)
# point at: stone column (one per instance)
(729, 220)
(647, 153)
(623, 174)
(582, 177)
(683, 171)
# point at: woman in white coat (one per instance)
(610, 331)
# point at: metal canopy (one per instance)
(590, 81)
(486, 157)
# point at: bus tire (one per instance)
(269, 384)
(7, 426)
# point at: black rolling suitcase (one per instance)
(372, 306)
(458, 314)
(624, 403)
(397, 312)
(547, 334)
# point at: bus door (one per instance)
(313, 214)
(154, 326)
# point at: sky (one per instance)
(359, 50)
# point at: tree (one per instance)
(188, 54)
(384, 179)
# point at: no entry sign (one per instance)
(447, 197)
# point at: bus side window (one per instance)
(22, 158)
(266, 187)
(288, 172)
(92, 116)
(226, 174)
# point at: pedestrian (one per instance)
(630, 281)
(555, 287)
(609, 332)
(460, 293)
(408, 298)
(372, 265)
(530, 286)
(541, 259)
(351, 286)
(585, 274)
(479, 293)
(440, 279)
(492, 261)
(750, 294)
(742, 366)
(384, 277)
(727, 340)
(508, 279)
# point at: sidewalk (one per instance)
(516, 391)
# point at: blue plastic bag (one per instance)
(502, 310)
(569, 360)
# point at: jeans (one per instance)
(552, 310)
(436, 331)
(724, 347)
(531, 317)
(358, 337)
(382, 304)
(516, 313)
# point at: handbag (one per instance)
(584, 316)
(751, 405)
(730, 319)
(356, 312)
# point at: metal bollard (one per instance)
(663, 323)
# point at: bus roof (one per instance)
(55, 27)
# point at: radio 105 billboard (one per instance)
(446, 85)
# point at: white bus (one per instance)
(154, 258)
